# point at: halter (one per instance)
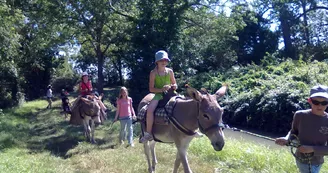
(203, 129)
(189, 132)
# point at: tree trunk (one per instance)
(100, 84)
(306, 29)
(286, 32)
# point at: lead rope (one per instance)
(294, 143)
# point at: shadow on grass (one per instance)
(40, 129)
(49, 138)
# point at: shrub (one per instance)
(265, 97)
(64, 83)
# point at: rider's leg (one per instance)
(150, 115)
(102, 106)
(149, 121)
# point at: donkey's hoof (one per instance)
(150, 170)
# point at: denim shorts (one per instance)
(304, 168)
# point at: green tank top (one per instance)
(160, 81)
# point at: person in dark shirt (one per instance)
(65, 101)
(310, 127)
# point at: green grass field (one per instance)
(38, 140)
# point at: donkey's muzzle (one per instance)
(218, 146)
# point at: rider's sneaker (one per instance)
(147, 137)
(198, 134)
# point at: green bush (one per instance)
(64, 83)
(265, 97)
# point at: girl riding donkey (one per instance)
(86, 91)
(161, 79)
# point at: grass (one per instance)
(38, 140)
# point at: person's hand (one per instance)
(134, 117)
(115, 119)
(174, 86)
(166, 87)
(281, 141)
(305, 149)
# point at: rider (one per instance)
(161, 79)
(85, 85)
(86, 90)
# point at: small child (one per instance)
(311, 128)
(65, 102)
(125, 113)
(49, 96)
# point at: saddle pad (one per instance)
(159, 112)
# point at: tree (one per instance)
(97, 28)
(11, 22)
(255, 39)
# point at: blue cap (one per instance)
(319, 91)
(161, 55)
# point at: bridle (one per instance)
(206, 129)
(189, 132)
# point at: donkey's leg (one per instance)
(147, 150)
(87, 129)
(182, 147)
(93, 131)
(153, 154)
(177, 163)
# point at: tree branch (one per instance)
(311, 9)
(120, 13)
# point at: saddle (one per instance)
(166, 97)
(161, 115)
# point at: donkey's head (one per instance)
(210, 115)
(89, 107)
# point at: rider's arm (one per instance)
(172, 79)
(90, 85)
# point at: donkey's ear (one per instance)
(219, 93)
(194, 94)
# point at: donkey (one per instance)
(201, 111)
(87, 111)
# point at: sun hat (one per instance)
(161, 55)
(84, 74)
(319, 91)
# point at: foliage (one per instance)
(265, 97)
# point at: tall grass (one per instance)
(38, 140)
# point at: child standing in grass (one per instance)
(311, 128)
(49, 96)
(125, 113)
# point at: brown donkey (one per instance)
(201, 111)
(86, 112)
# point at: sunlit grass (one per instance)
(34, 139)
